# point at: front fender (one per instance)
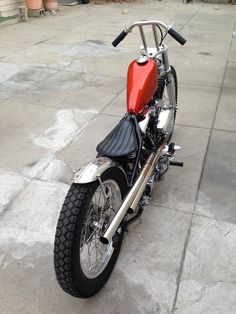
(93, 169)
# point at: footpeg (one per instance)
(170, 149)
(176, 163)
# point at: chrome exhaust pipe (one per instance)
(133, 197)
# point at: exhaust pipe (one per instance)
(133, 197)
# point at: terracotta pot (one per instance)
(50, 5)
(34, 4)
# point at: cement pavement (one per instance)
(62, 88)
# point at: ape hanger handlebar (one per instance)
(155, 24)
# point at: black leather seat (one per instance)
(121, 141)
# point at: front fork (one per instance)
(170, 84)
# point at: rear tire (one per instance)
(79, 223)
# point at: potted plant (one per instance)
(34, 4)
(50, 5)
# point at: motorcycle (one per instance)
(110, 193)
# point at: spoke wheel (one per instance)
(94, 256)
(82, 263)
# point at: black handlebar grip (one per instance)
(177, 36)
(119, 38)
(176, 163)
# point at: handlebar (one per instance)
(177, 36)
(167, 28)
(119, 38)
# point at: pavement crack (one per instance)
(117, 95)
(179, 274)
(227, 233)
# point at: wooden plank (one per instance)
(10, 7)
(36, 13)
(6, 2)
(10, 13)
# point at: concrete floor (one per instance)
(61, 91)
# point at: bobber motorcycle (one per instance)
(110, 192)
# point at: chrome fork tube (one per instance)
(143, 38)
(154, 29)
(170, 83)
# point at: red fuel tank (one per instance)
(141, 85)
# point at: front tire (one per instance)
(83, 218)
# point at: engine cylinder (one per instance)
(165, 120)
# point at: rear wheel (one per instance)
(82, 263)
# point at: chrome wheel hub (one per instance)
(94, 256)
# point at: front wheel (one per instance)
(82, 263)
